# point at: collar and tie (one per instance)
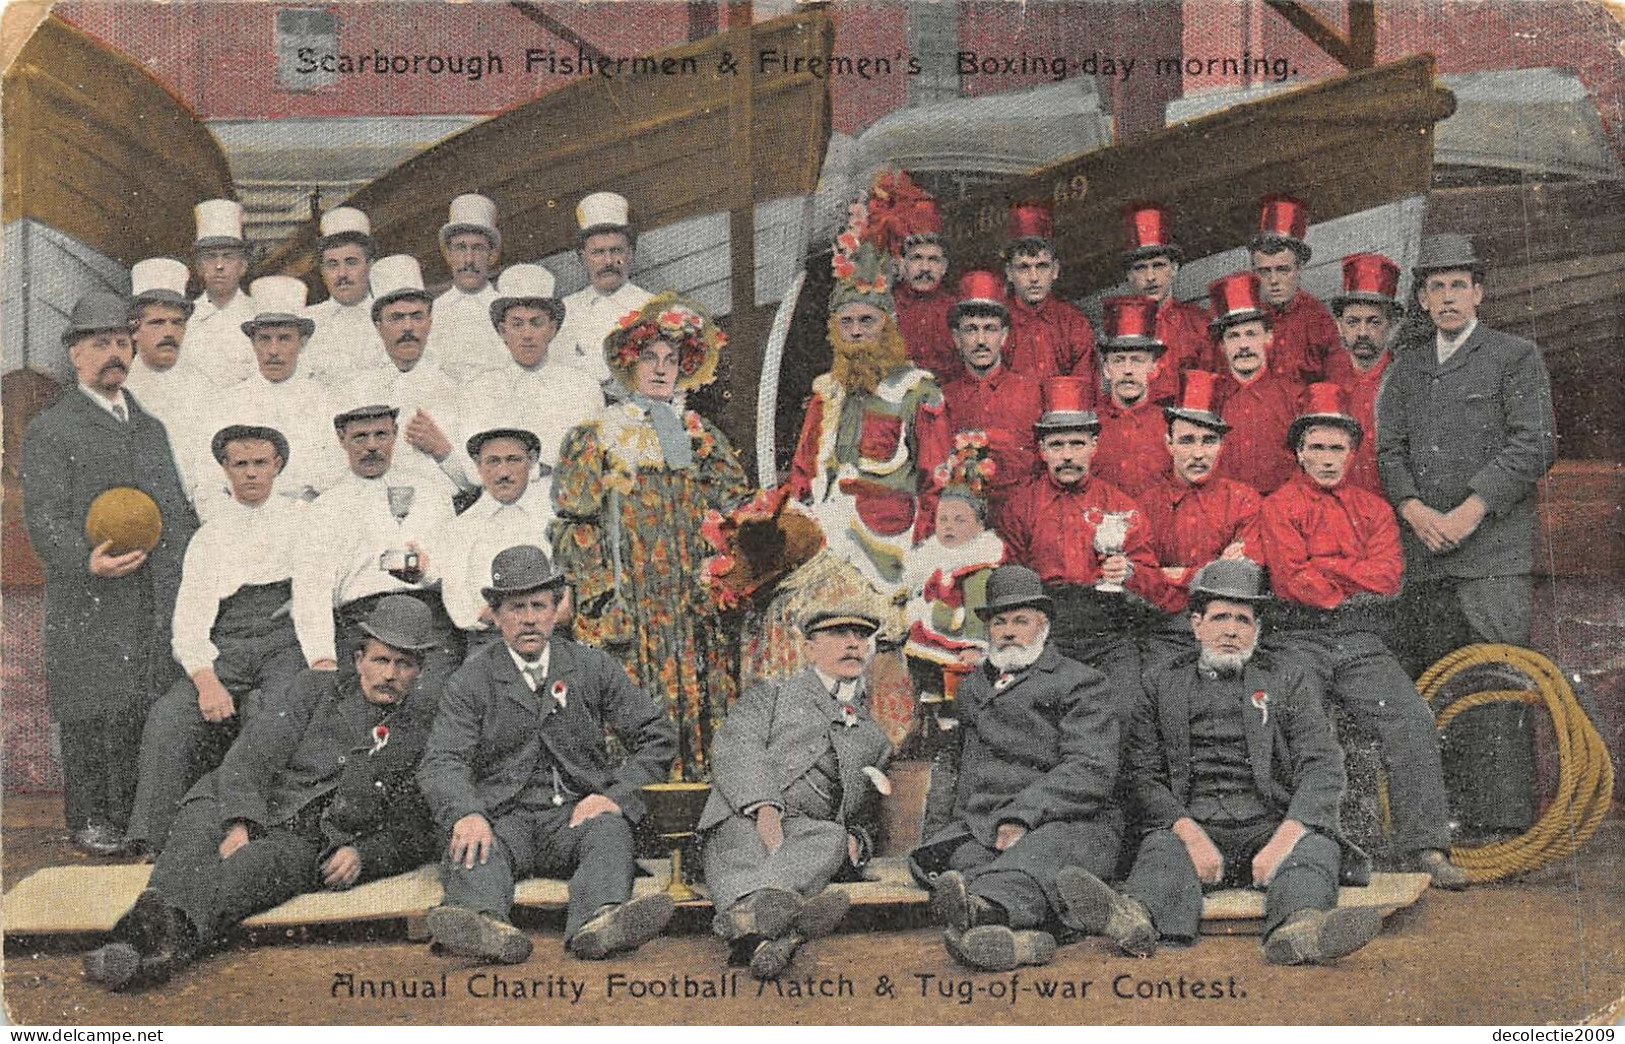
(120, 412)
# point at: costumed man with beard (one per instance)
(215, 341)
(1304, 334)
(345, 341)
(1132, 428)
(1368, 313)
(1194, 515)
(107, 608)
(1333, 553)
(1467, 431)
(1039, 736)
(1257, 403)
(233, 635)
(170, 387)
(796, 783)
(1151, 263)
(1048, 337)
(462, 342)
(405, 376)
(606, 247)
(317, 793)
(1240, 791)
(988, 396)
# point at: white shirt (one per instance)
(843, 689)
(539, 668)
(215, 342)
(477, 536)
(346, 531)
(589, 316)
(462, 338)
(344, 343)
(424, 387)
(549, 401)
(1448, 346)
(187, 400)
(241, 546)
(300, 410)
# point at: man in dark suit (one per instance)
(797, 773)
(317, 792)
(520, 778)
(1465, 431)
(107, 615)
(1039, 738)
(1237, 774)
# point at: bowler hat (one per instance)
(1235, 580)
(825, 619)
(401, 622)
(528, 439)
(519, 569)
(1447, 250)
(96, 312)
(232, 432)
(1015, 587)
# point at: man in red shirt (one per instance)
(1194, 515)
(988, 396)
(1151, 264)
(1367, 314)
(1258, 404)
(1132, 429)
(922, 301)
(1048, 337)
(1335, 562)
(1305, 334)
(1051, 524)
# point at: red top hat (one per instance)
(1031, 221)
(979, 287)
(1283, 220)
(1237, 298)
(1368, 279)
(1324, 403)
(1066, 406)
(1131, 325)
(923, 219)
(1150, 232)
(1200, 402)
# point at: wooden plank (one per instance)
(1314, 141)
(1513, 224)
(1582, 520)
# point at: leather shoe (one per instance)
(772, 956)
(1322, 936)
(823, 913)
(469, 933)
(1443, 873)
(767, 911)
(995, 947)
(622, 927)
(99, 839)
(954, 907)
(1095, 908)
(114, 966)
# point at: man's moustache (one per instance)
(169, 342)
(114, 364)
(407, 338)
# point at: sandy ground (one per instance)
(1549, 948)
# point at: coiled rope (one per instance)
(1585, 782)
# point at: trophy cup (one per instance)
(1110, 534)
(674, 816)
(399, 562)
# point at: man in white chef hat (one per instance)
(606, 247)
(344, 341)
(463, 342)
(214, 337)
(167, 383)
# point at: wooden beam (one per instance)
(702, 19)
(1363, 33)
(745, 364)
(1325, 36)
(542, 18)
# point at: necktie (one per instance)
(533, 676)
(118, 411)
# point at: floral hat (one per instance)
(968, 469)
(668, 317)
(859, 267)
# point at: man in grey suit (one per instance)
(1465, 430)
(1039, 737)
(317, 792)
(107, 611)
(797, 773)
(520, 778)
(1237, 774)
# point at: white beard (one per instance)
(1226, 665)
(1019, 657)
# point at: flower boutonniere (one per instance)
(849, 716)
(559, 692)
(380, 738)
(1261, 700)
(1004, 681)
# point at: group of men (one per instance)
(354, 658)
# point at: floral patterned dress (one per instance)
(627, 534)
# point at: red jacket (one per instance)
(1324, 545)
(1053, 339)
(1051, 529)
(1192, 525)
(1005, 405)
(1182, 326)
(1133, 451)
(1362, 389)
(1305, 336)
(922, 319)
(1259, 413)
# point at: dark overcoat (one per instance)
(103, 637)
(1481, 423)
(493, 734)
